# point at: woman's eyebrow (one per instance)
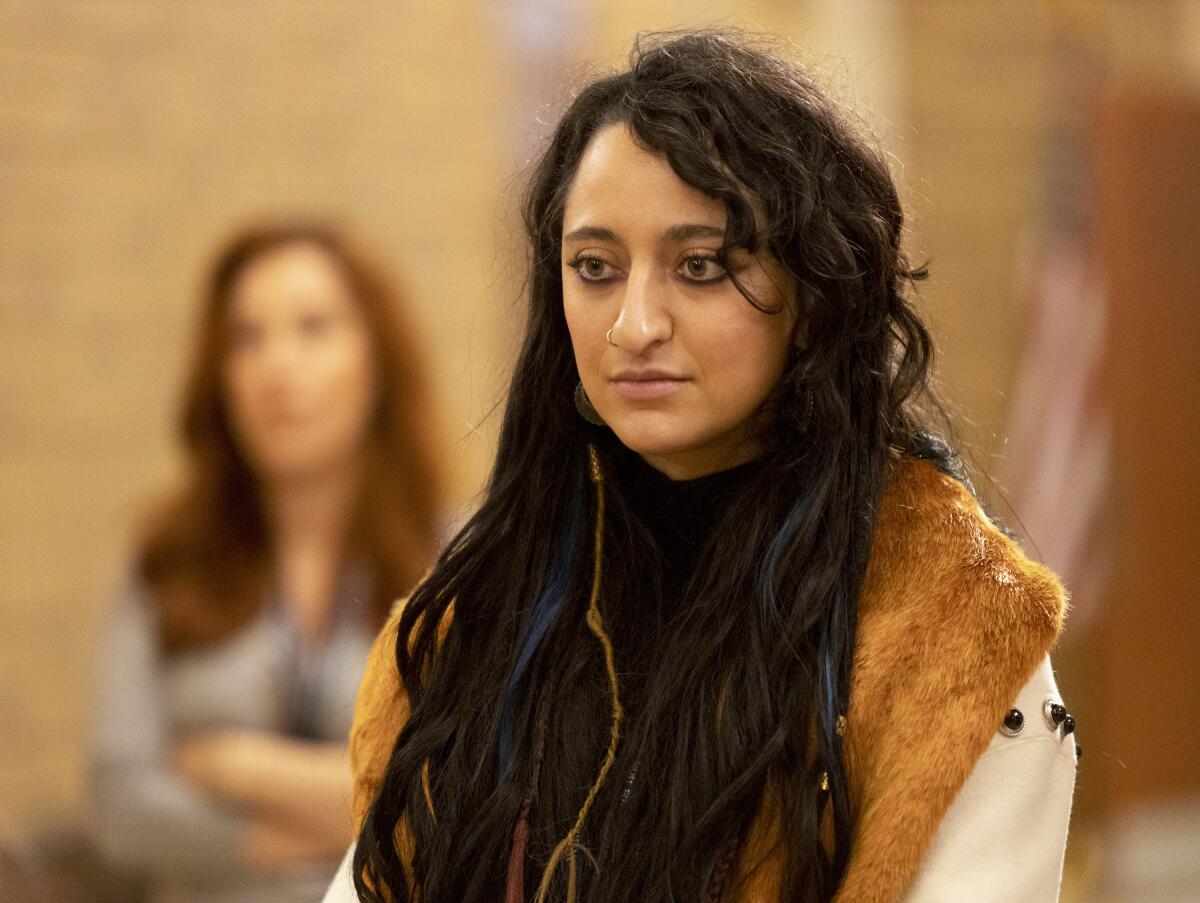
(688, 231)
(593, 233)
(677, 233)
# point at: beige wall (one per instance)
(133, 134)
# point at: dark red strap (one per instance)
(724, 870)
(514, 888)
(514, 885)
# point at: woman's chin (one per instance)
(651, 440)
(679, 449)
(643, 438)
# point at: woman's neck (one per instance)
(309, 517)
(681, 513)
(311, 509)
(694, 464)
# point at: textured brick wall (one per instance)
(131, 136)
(970, 176)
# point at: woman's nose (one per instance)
(645, 318)
(280, 355)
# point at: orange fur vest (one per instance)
(953, 619)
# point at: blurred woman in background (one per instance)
(310, 502)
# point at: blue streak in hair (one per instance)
(830, 703)
(542, 617)
(769, 569)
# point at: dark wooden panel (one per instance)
(1148, 218)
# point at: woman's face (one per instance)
(690, 359)
(298, 372)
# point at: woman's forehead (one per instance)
(621, 187)
(288, 278)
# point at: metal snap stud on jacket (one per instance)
(1014, 723)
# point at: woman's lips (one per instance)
(652, 387)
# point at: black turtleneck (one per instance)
(680, 514)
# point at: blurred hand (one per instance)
(222, 762)
(295, 792)
(270, 845)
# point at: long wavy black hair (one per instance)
(741, 683)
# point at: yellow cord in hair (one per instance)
(595, 621)
(428, 792)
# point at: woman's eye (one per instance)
(591, 269)
(314, 325)
(703, 269)
(244, 336)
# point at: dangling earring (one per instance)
(808, 405)
(583, 405)
(793, 356)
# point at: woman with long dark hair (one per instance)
(309, 501)
(729, 623)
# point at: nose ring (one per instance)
(608, 336)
